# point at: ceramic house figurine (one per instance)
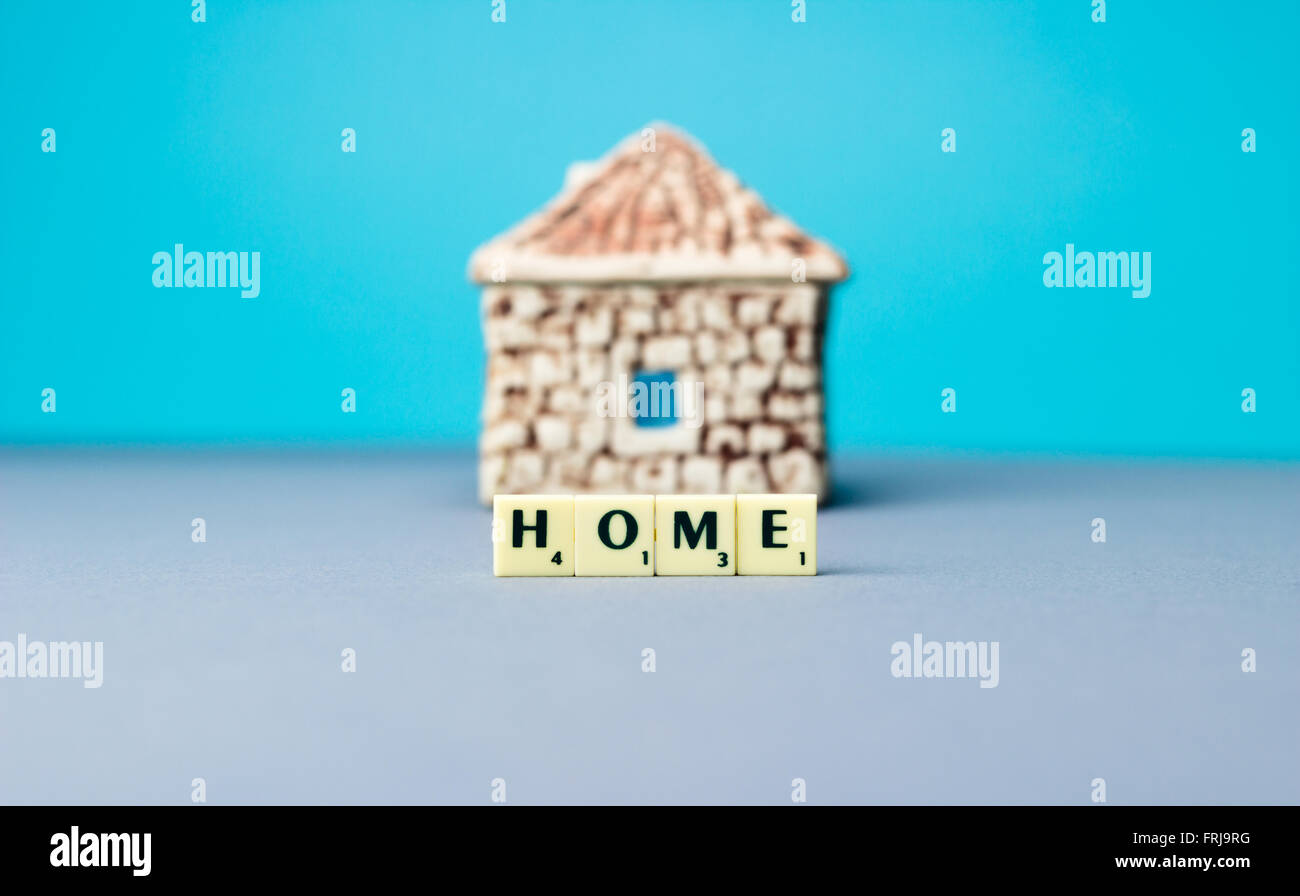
(655, 329)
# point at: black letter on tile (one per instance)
(602, 530)
(539, 528)
(708, 528)
(770, 528)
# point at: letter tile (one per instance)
(695, 535)
(615, 535)
(532, 535)
(776, 535)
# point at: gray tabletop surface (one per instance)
(222, 660)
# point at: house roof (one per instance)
(667, 214)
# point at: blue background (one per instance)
(226, 136)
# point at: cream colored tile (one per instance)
(776, 535)
(614, 535)
(532, 535)
(695, 535)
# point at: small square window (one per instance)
(653, 402)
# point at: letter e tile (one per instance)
(776, 535)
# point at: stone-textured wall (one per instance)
(755, 346)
